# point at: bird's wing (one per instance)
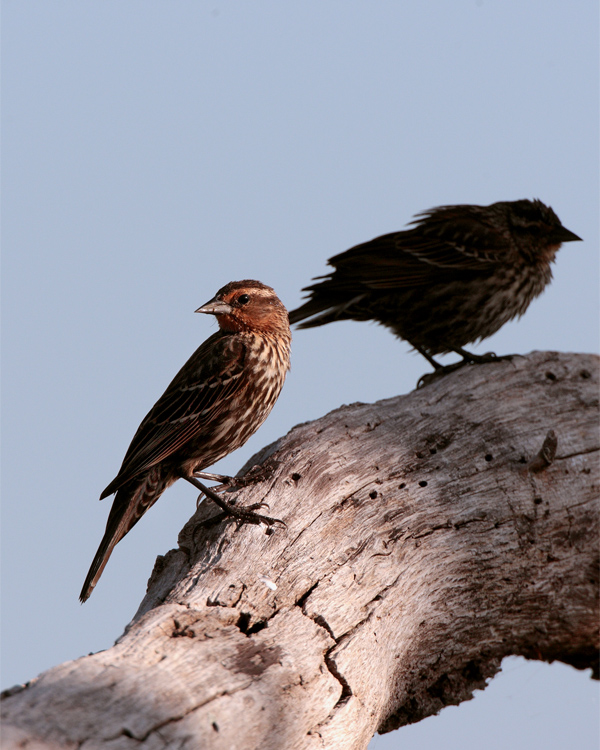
(432, 251)
(199, 391)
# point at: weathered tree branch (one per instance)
(428, 536)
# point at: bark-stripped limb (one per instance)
(428, 536)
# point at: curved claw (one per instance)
(256, 506)
(279, 521)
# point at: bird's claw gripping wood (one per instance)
(242, 514)
(467, 359)
(482, 359)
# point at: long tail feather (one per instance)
(129, 505)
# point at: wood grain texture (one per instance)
(424, 543)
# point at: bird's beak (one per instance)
(215, 307)
(564, 235)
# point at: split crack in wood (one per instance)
(173, 719)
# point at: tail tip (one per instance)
(86, 592)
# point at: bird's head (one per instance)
(534, 225)
(248, 306)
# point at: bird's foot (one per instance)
(467, 359)
(242, 514)
(248, 514)
(245, 515)
(481, 359)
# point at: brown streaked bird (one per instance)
(218, 399)
(456, 277)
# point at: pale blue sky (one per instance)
(154, 151)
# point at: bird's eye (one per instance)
(243, 299)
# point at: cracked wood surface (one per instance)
(428, 536)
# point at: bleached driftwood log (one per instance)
(428, 536)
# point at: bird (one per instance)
(219, 398)
(454, 278)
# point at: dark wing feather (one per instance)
(450, 242)
(442, 242)
(189, 405)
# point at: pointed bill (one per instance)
(215, 307)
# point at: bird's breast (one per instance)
(265, 366)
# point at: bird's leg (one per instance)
(436, 365)
(438, 370)
(220, 478)
(227, 480)
(246, 515)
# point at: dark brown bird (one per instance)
(456, 277)
(218, 399)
